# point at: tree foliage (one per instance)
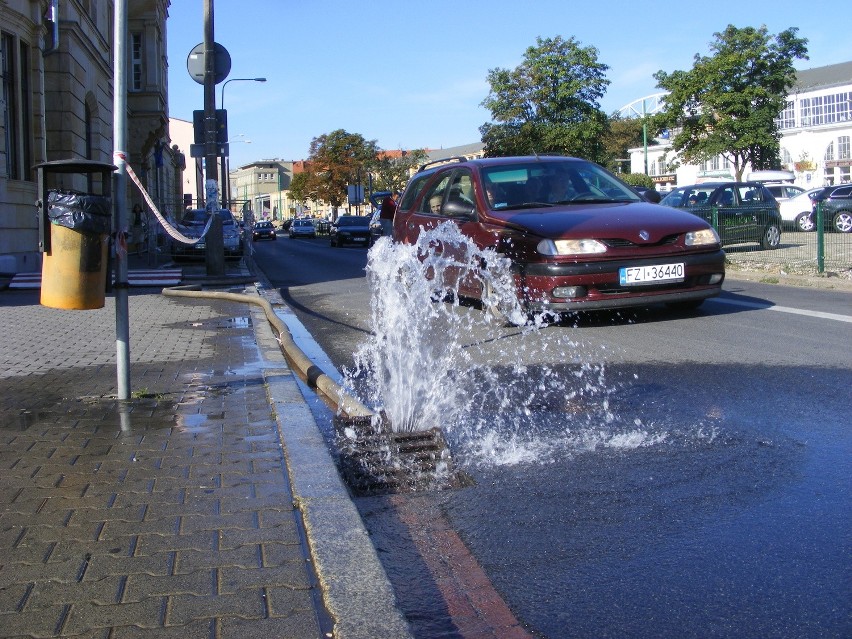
(622, 134)
(301, 189)
(336, 160)
(549, 103)
(727, 103)
(391, 172)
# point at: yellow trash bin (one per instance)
(74, 269)
(73, 274)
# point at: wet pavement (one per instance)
(184, 511)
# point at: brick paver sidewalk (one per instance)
(170, 516)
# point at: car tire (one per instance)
(805, 222)
(771, 238)
(843, 222)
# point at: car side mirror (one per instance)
(457, 209)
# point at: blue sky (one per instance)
(413, 74)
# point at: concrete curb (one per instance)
(357, 591)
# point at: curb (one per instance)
(356, 590)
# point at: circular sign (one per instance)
(196, 63)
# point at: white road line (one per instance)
(785, 309)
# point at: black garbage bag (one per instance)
(80, 211)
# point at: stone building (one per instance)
(56, 103)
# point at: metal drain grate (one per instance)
(376, 460)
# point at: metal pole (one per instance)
(122, 312)
(214, 249)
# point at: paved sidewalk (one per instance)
(173, 514)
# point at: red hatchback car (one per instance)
(578, 237)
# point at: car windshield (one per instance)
(552, 183)
(353, 220)
(198, 217)
(303, 223)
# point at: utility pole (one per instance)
(214, 246)
(122, 307)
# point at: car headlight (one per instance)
(570, 247)
(701, 238)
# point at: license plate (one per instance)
(651, 274)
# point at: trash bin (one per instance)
(74, 272)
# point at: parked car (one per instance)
(746, 211)
(783, 192)
(836, 207)
(350, 229)
(263, 231)
(302, 227)
(648, 194)
(577, 236)
(192, 225)
(322, 225)
(798, 211)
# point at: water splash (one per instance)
(432, 360)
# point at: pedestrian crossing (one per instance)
(135, 277)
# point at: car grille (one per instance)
(622, 243)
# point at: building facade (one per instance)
(815, 127)
(56, 103)
(260, 190)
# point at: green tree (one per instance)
(727, 103)
(300, 187)
(335, 160)
(392, 173)
(622, 134)
(549, 103)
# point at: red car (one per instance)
(577, 236)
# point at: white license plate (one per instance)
(651, 274)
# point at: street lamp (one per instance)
(226, 178)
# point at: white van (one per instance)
(769, 177)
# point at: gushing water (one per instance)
(433, 361)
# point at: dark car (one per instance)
(193, 225)
(351, 229)
(578, 238)
(836, 207)
(740, 211)
(263, 231)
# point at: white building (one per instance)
(816, 128)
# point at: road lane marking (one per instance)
(786, 309)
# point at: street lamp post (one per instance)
(226, 179)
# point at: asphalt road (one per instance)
(638, 474)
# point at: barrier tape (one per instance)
(171, 230)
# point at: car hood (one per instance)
(606, 220)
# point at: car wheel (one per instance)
(843, 222)
(805, 222)
(771, 237)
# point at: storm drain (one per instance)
(375, 460)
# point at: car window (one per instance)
(845, 191)
(461, 187)
(750, 193)
(727, 196)
(431, 203)
(413, 190)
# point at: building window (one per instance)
(843, 147)
(14, 107)
(829, 152)
(787, 119)
(135, 61)
(786, 159)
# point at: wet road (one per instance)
(672, 477)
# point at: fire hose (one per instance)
(344, 404)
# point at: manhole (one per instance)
(375, 460)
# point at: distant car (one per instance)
(648, 194)
(578, 238)
(263, 231)
(350, 229)
(746, 211)
(798, 211)
(192, 225)
(836, 207)
(379, 227)
(322, 225)
(303, 227)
